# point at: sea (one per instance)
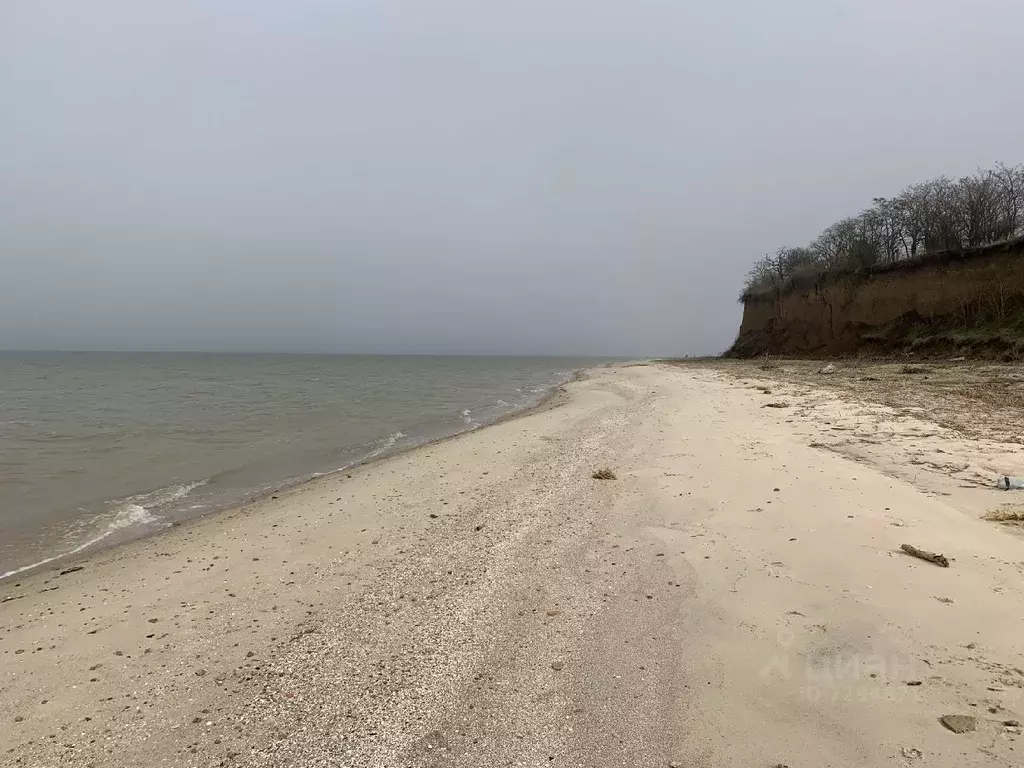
(99, 448)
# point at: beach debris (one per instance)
(827, 370)
(604, 474)
(72, 569)
(1007, 514)
(11, 597)
(913, 682)
(911, 753)
(959, 723)
(557, 665)
(1007, 483)
(931, 557)
(1011, 723)
(775, 405)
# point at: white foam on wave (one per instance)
(135, 510)
(126, 516)
(387, 445)
(165, 495)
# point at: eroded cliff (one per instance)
(968, 302)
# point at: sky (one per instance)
(581, 177)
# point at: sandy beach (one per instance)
(737, 596)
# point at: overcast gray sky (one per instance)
(506, 176)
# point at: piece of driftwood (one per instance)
(931, 557)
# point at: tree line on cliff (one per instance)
(938, 215)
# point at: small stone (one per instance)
(18, 718)
(433, 516)
(675, 764)
(557, 665)
(200, 673)
(152, 621)
(913, 682)
(911, 753)
(959, 723)
(249, 654)
(1011, 723)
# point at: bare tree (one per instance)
(835, 243)
(1010, 180)
(913, 205)
(761, 275)
(941, 214)
(977, 203)
(885, 223)
(944, 230)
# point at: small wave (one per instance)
(502, 403)
(126, 516)
(134, 510)
(165, 495)
(389, 442)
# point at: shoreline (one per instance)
(87, 550)
(485, 601)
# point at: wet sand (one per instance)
(737, 596)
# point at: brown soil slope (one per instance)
(968, 302)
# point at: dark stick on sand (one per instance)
(931, 557)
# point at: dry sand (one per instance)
(736, 597)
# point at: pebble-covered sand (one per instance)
(485, 602)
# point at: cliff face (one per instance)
(959, 302)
